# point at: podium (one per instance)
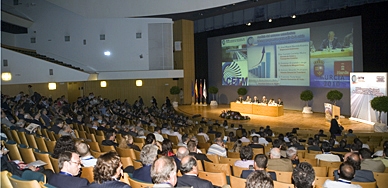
(331, 111)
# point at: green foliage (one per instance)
(242, 91)
(306, 95)
(334, 96)
(213, 90)
(380, 104)
(175, 90)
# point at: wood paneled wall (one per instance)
(41, 88)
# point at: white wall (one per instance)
(52, 24)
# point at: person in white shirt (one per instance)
(244, 137)
(176, 133)
(346, 174)
(157, 134)
(326, 155)
(200, 132)
(86, 158)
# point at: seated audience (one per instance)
(58, 124)
(314, 145)
(278, 164)
(255, 143)
(69, 164)
(303, 175)
(157, 133)
(384, 158)
(367, 163)
(346, 173)
(85, 156)
(65, 143)
(326, 155)
(200, 132)
(67, 131)
(236, 146)
(341, 147)
(360, 175)
(292, 154)
(259, 179)
(246, 155)
(147, 156)
(260, 164)
(110, 137)
(107, 172)
(217, 148)
(163, 172)
(127, 142)
(189, 176)
(167, 148)
(244, 137)
(192, 147)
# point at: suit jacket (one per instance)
(359, 176)
(109, 143)
(284, 165)
(245, 174)
(109, 184)
(325, 44)
(65, 181)
(143, 174)
(373, 165)
(334, 127)
(256, 146)
(194, 181)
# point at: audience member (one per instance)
(190, 177)
(158, 135)
(326, 155)
(276, 163)
(200, 132)
(110, 137)
(360, 175)
(244, 137)
(260, 164)
(69, 164)
(163, 172)
(246, 155)
(192, 147)
(346, 173)
(147, 156)
(259, 179)
(255, 143)
(292, 154)
(384, 158)
(303, 175)
(127, 142)
(58, 124)
(367, 163)
(236, 146)
(217, 148)
(85, 156)
(65, 143)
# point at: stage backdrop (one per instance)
(363, 88)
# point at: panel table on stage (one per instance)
(258, 109)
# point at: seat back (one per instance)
(200, 165)
(32, 175)
(138, 184)
(5, 183)
(139, 140)
(137, 154)
(140, 145)
(126, 161)
(41, 144)
(174, 139)
(214, 158)
(381, 179)
(257, 151)
(230, 161)
(50, 145)
(137, 164)
(233, 154)
(96, 154)
(310, 155)
(205, 146)
(329, 164)
(126, 152)
(284, 177)
(51, 135)
(54, 163)
(320, 171)
(236, 182)
(15, 136)
(44, 133)
(217, 178)
(278, 184)
(22, 137)
(107, 148)
(13, 153)
(238, 170)
(319, 181)
(87, 173)
(17, 183)
(313, 162)
(366, 184)
(82, 134)
(99, 138)
(94, 146)
(125, 178)
(213, 167)
(330, 171)
(31, 141)
(45, 158)
(27, 154)
(201, 139)
(100, 133)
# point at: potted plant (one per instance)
(380, 104)
(213, 90)
(307, 95)
(334, 96)
(242, 91)
(175, 90)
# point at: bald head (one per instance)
(275, 153)
(353, 159)
(182, 152)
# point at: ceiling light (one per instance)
(270, 20)
(249, 24)
(6, 76)
(107, 53)
(293, 16)
(103, 84)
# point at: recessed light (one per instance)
(107, 53)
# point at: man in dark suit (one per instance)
(260, 164)
(189, 170)
(70, 164)
(331, 42)
(110, 136)
(360, 175)
(58, 124)
(147, 156)
(192, 147)
(255, 143)
(334, 127)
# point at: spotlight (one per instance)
(248, 24)
(270, 20)
(293, 16)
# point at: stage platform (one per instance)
(290, 119)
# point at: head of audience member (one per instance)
(244, 134)
(108, 168)
(346, 171)
(163, 171)
(325, 147)
(342, 144)
(69, 162)
(275, 153)
(65, 143)
(255, 139)
(237, 146)
(354, 148)
(260, 162)
(125, 141)
(219, 142)
(277, 143)
(385, 152)
(192, 146)
(140, 132)
(259, 179)
(350, 131)
(157, 130)
(189, 165)
(166, 146)
(231, 135)
(59, 122)
(353, 159)
(281, 137)
(200, 130)
(182, 152)
(292, 153)
(185, 138)
(83, 149)
(365, 153)
(303, 175)
(310, 141)
(148, 154)
(110, 135)
(193, 138)
(150, 139)
(246, 153)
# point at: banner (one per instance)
(204, 89)
(328, 111)
(363, 88)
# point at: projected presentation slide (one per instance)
(320, 56)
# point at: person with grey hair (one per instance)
(278, 164)
(163, 172)
(292, 154)
(259, 179)
(217, 148)
(189, 170)
(147, 156)
(303, 175)
(140, 134)
(180, 153)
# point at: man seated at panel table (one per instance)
(264, 100)
(255, 99)
(248, 99)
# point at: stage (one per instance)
(290, 119)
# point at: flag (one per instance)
(195, 89)
(200, 88)
(204, 89)
(192, 89)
